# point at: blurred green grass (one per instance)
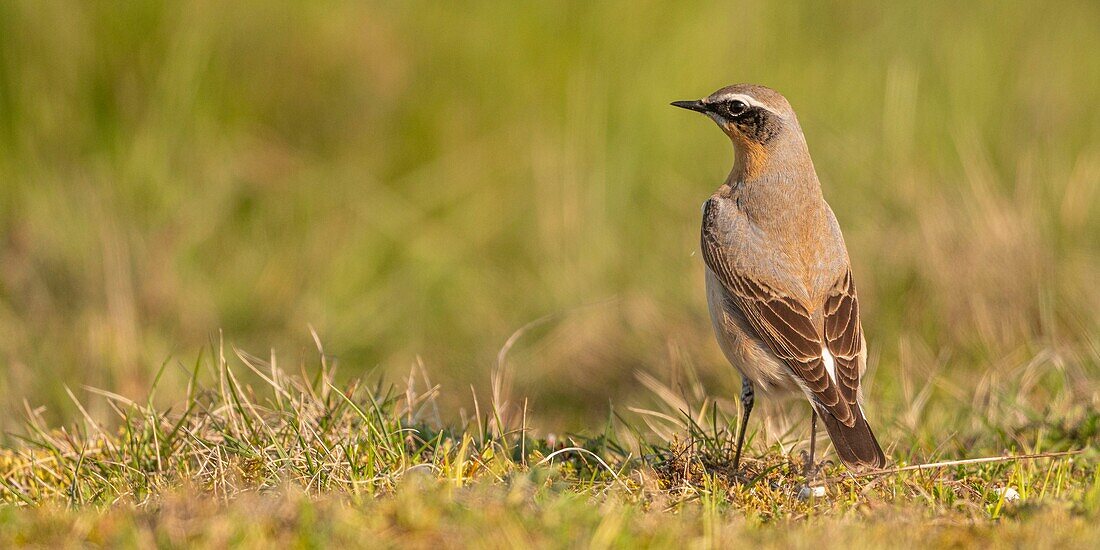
(422, 179)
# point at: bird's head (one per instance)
(758, 120)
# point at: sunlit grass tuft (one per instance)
(255, 433)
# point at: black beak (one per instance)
(697, 106)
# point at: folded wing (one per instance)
(786, 325)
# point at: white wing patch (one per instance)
(830, 363)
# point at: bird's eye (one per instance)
(736, 108)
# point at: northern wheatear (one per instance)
(779, 285)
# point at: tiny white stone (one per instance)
(806, 492)
(1010, 494)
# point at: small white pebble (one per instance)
(807, 492)
(1010, 494)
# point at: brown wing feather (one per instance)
(787, 328)
(844, 335)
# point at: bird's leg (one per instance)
(809, 469)
(747, 398)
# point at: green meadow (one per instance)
(427, 274)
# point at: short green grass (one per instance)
(301, 458)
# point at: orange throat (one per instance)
(750, 157)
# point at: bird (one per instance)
(779, 284)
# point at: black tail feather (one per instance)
(855, 444)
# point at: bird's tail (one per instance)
(855, 444)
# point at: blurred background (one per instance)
(419, 180)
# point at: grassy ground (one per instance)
(310, 462)
(418, 181)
